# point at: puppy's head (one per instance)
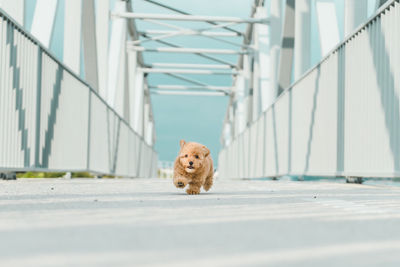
(192, 156)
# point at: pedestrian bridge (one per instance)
(148, 222)
(293, 114)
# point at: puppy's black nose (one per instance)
(191, 162)
(180, 184)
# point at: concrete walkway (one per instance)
(148, 222)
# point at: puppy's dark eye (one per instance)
(186, 156)
(197, 156)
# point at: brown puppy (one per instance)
(193, 166)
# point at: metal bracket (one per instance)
(354, 180)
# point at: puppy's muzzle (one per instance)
(180, 184)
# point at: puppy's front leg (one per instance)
(194, 188)
(180, 182)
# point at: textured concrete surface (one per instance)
(148, 222)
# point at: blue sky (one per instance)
(184, 117)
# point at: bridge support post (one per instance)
(43, 21)
(275, 43)
(102, 27)
(116, 63)
(72, 35)
(90, 43)
(355, 14)
(302, 38)
(287, 47)
(328, 29)
(263, 93)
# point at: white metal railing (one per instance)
(342, 118)
(51, 120)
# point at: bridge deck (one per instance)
(147, 222)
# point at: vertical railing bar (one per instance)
(1, 83)
(89, 130)
(139, 159)
(8, 100)
(116, 150)
(265, 146)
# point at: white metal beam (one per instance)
(117, 43)
(121, 91)
(89, 43)
(139, 102)
(287, 45)
(328, 26)
(43, 20)
(275, 43)
(165, 24)
(72, 34)
(355, 13)
(184, 31)
(154, 136)
(188, 93)
(150, 136)
(262, 63)
(243, 106)
(185, 87)
(214, 59)
(131, 59)
(202, 33)
(193, 66)
(302, 38)
(226, 136)
(15, 8)
(185, 13)
(146, 117)
(186, 79)
(149, 133)
(188, 71)
(186, 50)
(187, 17)
(127, 90)
(102, 26)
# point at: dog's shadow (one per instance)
(185, 194)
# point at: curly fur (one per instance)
(199, 173)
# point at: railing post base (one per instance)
(8, 176)
(354, 180)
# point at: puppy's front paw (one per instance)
(180, 182)
(193, 191)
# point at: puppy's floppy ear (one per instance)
(206, 151)
(182, 143)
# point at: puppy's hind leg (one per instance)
(208, 182)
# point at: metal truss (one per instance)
(233, 43)
(187, 71)
(186, 17)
